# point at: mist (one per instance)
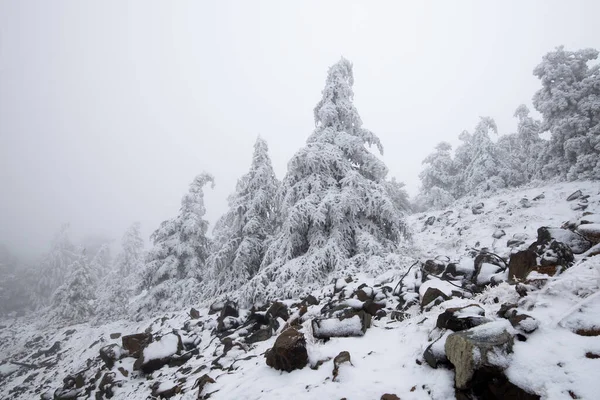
(109, 109)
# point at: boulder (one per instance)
(433, 267)
(389, 396)
(486, 264)
(591, 232)
(350, 323)
(158, 353)
(577, 242)
(477, 208)
(539, 197)
(499, 233)
(525, 203)
(477, 348)
(517, 319)
(136, 343)
(430, 220)
(194, 314)
(372, 307)
(289, 351)
(227, 317)
(215, 308)
(278, 310)
(260, 335)
(575, 195)
(521, 264)
(115, 335)
(201, 383)
(165, 390)
(310, 300)
(111, 353)
(461, 318)
(435, 355)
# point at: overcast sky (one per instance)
(108, 109)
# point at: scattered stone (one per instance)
(475, 348)
(343, 357)
(525, 203)
(514, 243)
(579, 206)
(310, 300)
(201, 383)
(591, 232)
(136, 343)
(498, 234)
(389, 396)
(577, 242)
(115, 335)
(165, 390)
(194, 314)
(461, 318)
(123, 372)
(433, 267)
(539, 197)
(477, 208)
(432, 297)
(575, 195)
(289, 351)
(430, 220)
(215, 308)
(435, 355)
(159, 353)
(520, 265)
(260, 335)
(110, 354)
(278, 310)
(227, 317)
(372, 307)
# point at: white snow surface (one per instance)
(551, 363)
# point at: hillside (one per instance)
(519, 307)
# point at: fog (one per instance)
(109, 109)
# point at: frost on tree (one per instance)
(73, 301)
(124, 280)
(55, 266)
(569, 101)
(478, 161)
(180, 249)
(438, 178)
(335, 207)
(242, 235)
(521, 151)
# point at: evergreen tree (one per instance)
(569, 101)
(55, 267)
(478, 161)
(180, 245)
(131, 258)
(73, 302)
(438, 178)
(335, 204)
(244, 232)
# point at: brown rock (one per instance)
(289, 351)
(136, 343)
(389, 396)
(520, 265)
(194, 314)
(343, 357)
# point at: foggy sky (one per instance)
(108, 109)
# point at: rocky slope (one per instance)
(498, 299)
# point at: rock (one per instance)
(435, 355)
(461, 318)
(493, 384)
(550, 251)
(476, 348)
(110, 354)
(433, 267)
(201, 383)
(579, 206)
(452, 272)
(165, 390)
(575, 195)
(194, 314)
(343, 357)
(136, 343)
(362, 295)
(106, 385)
(525, 203)
(372, 307)
(289, 351)
(115, 335)
(514, 243)
(215, 308)
(433, 296)
(310, 300)
(351, 323)
(389, 396)
(278, 310)
(520, 265)
(477, 208)
(578, 243)
(591, 232)
(260, 335)
(226, 318)
(539, 197)
(486, 264)
(430, 220)
(123, 372)
(498, 234)
(159, 353)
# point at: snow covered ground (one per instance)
(554, 362)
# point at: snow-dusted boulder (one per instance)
(289, 351)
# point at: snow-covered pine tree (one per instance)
(176, 263)
(242, 235)
(521, 150)
(335, 204)
(438, 178)
(73, 301)
(55, 266)
(131, 258)
(569, 101)
(478, 161)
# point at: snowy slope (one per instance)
(553, 362)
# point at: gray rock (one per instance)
(477, 208)
(482, 346)
(461, 318)
(498, 234)
(575, 195)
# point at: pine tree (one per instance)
(335, 204)
(73, 302)
(569, 101)
(55, 267)
(180, 245)
(244, 232)
(131, 258)
(438, 178)
(478, 160)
